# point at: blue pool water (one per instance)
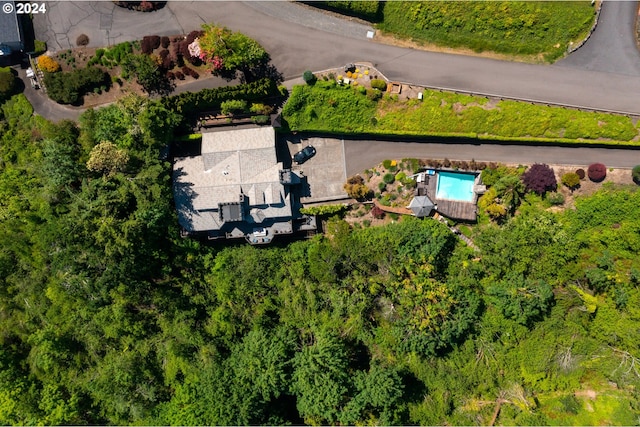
(455, 186)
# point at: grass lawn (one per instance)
(529, 30)
(326, 107)
(540, 30)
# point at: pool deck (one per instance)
(466, 211)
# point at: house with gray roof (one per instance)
(10, 32)
(236, 188)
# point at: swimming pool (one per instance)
(455, 186)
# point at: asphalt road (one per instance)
(362, 154)
(296, 43)
(612, 47)
(604, 73)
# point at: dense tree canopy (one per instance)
(107, 316)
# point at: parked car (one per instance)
(303, 155)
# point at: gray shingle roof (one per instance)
(9, 28)
(233, 163)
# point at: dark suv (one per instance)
(303, 155)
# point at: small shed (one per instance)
(421, 206)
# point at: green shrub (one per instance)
(386, 163)
(373, 94)
(69, 87)
(635, 174)
(401, 176)
(259, 108)
(121, 51)
(261, 119)
(379, 84)
(283, 91)
(233, 106)
(40, 47)
(97, 58)
(388, 178)
(338, 109)
(310, 113)
(382, 186)
(570, 180)
(309, 78)
(555, 198)
(325, 210)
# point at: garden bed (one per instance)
(108, 60)
(395, 194)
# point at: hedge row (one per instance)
(369, 10)
(210, 99)
(428, 136)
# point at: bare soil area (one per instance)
(588, 187)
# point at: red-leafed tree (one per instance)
(540, 178)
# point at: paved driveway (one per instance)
(325, 172)
(363, 154)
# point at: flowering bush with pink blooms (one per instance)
(225, 50)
